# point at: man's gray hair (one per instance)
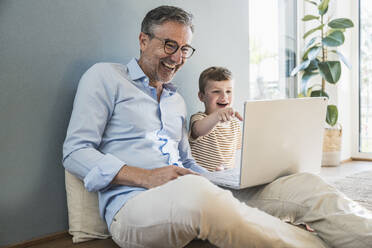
(163, 14)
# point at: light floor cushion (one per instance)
(84, 220)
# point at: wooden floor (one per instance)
(64, 240)
(331, 174)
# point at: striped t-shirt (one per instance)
(218, 147)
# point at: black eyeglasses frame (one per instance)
(175, 44)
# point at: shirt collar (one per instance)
(136, 73)
(170, 87)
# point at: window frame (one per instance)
(356, 91)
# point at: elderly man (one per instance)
(127, 140)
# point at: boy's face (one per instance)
(217, 95)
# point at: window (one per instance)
(365, 76)
(273, 44)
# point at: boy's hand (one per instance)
(226, 114)
(204, 126)
(237, 115)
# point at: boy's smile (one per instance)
(222, 105)
(217, 95)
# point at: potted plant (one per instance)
(321, 57)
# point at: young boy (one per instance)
(215, 135)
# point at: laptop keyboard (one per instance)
(230, 176)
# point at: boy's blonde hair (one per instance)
(214, 73)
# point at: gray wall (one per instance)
(45, 46)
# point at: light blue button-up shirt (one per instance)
(117, 120)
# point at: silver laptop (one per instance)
(280, 137)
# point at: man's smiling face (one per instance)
(159, 66)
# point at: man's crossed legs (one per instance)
(177, 212)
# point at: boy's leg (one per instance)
(306, 198)
(175, 213)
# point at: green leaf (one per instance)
(323, 12)
(313, 65)
(310, 89)
(306, 54)
(331, 30)
(307, 75)
(341, 23)
(336, 38)
(300, 95)
(311, 42)
(323, 7)
(305, 78)
(332, 115)
(309, 18)
(342, 58)
(313, 52)
(300, 67)
(317, 93)
(304, 57)
(330, 71)
(314, 86)
(313, 30)
(308, 92)
(312, 2)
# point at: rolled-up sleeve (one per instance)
(93, 106)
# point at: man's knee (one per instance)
(314, 182)
(199, 196)
(308, 176)
(197, 190)
(309, 190)
(303, 182)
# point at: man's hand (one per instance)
(160, 176)
(134, 176)
(226, 114)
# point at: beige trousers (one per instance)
(191, 207)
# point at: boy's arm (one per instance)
(204, 126)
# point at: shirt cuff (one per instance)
(102, 174)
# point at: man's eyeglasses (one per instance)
(171, 47)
